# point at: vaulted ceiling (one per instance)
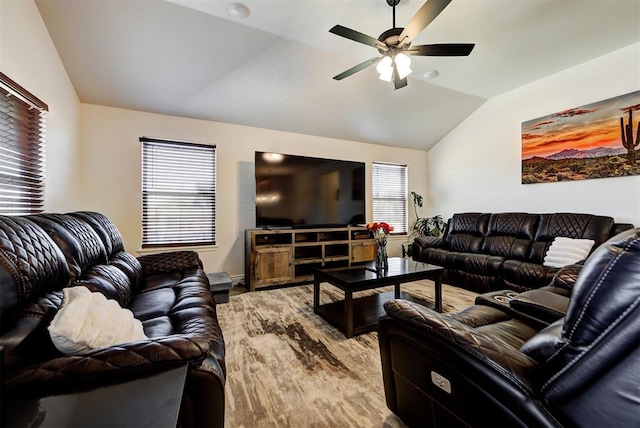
(191, 58)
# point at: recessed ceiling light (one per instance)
(273, 157)
(239, 10)
(431, 74)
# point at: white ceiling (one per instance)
(274, 70)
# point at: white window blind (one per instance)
(389, 182)
(22, 139)
(178, 193)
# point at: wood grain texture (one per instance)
(287, 367)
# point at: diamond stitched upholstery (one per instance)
(520, 239)
(485, 366)
(80, 245)
(34, 256)
(169, 262)
(109, 281)
(108, 232)
(30, 263)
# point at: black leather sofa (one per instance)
(489, 365)
(168, 292)
(494, 251)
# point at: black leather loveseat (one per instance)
(40, 255)
(484, 366)
(486, 252)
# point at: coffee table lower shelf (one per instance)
(366, 311)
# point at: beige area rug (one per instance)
(287, 367)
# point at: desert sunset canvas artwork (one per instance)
(597, 140)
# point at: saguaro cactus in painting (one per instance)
(627, 137)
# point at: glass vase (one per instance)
(382, 262)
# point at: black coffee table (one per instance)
(360, 315)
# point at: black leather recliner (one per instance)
(484, 366)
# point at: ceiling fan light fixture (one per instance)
(403, 63)
(395, 45)
(385, 68)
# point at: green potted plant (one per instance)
(422, 226)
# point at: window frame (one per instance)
(400, 195)
(151, 238)
(22, 149)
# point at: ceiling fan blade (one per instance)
(357, 36)
(397, 81)
(423, 17)
(357, 68)
(443, 49)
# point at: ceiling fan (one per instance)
(395, 44)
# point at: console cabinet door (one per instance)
(363, 251)
(272, 265)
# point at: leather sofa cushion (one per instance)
(510, 235)
(79, 243)
(151, 304)
(518, 225)
(476, 316)
(34, 265)
(108, 280)
(466, 231)
(130, 266)
(173, 303)
(436, 256)
(106, 230)
(532, 274)
(507, 246)
(496, 323)
(162, 280)
(513, 332)
(157, 327)
(478, 263)
(569, 225)
(465, 242)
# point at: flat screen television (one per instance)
(301, 191)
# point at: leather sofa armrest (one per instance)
(170, 261)
(107, 365)
(430, 242)
(541, 304)
(620, 227)
(506, 360)
(567, 276)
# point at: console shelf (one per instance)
(287, 256)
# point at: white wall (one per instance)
(477, 166)
(111, 171)
(28, 56)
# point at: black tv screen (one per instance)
(301, 191)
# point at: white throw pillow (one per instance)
(87, 321)
(567, 251)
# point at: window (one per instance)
(22, 138)
(178, 193)
(389, 183)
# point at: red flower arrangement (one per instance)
(385, 228)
